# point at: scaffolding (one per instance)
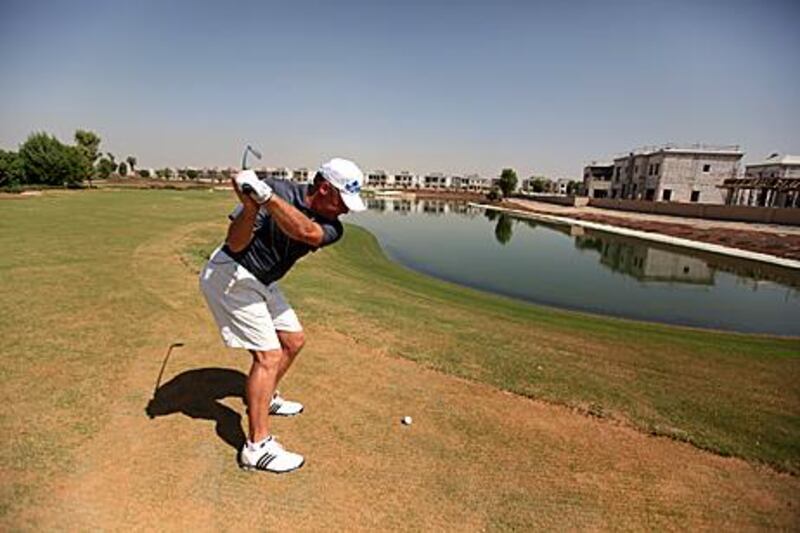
(764, 192)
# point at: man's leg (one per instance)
(260, 387)
(287, 326)
(291, 342)
(260, 453)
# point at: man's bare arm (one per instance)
(293, 222)
(240, 231)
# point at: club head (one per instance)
(249, 150)
(255, 152)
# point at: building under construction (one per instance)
(775, 182)
(675, 173)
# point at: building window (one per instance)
(655, 171)
(666, 195)
(695, 196)
(706, 168)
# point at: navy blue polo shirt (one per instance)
(271, 253)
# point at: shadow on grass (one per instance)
(195, 393)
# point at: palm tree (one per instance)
(131, 163)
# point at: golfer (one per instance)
(277, 223)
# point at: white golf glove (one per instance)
(249, 184)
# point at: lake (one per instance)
(575, 268)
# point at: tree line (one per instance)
(44, 160)
(507, 185)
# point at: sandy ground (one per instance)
(701, 223)
(475, 458)
(779, 240)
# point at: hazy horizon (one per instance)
(456, 87)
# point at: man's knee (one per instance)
(293, 342)
(269, 359)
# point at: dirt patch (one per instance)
(474, 458)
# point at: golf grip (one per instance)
(248, 190)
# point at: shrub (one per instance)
(495, 194)
(507, 181)
(45, 160)
(11, 174)
(105, 167)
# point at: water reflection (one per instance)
(641, 260)
(410, 206)
(634, 258)
(644, 262)
(503, 231)
(652, 262)
(578, 268)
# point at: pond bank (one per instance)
(748, 246)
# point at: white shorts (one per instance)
(248, 313)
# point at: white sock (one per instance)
(253, 446)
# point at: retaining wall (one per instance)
(572, 201)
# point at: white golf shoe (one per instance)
(269, 456)
(282, 407)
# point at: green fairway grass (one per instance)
(73, 308)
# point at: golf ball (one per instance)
(407, 420)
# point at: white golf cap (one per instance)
(347, 177)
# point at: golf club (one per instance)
(248, 150)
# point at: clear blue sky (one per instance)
(432, 85)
